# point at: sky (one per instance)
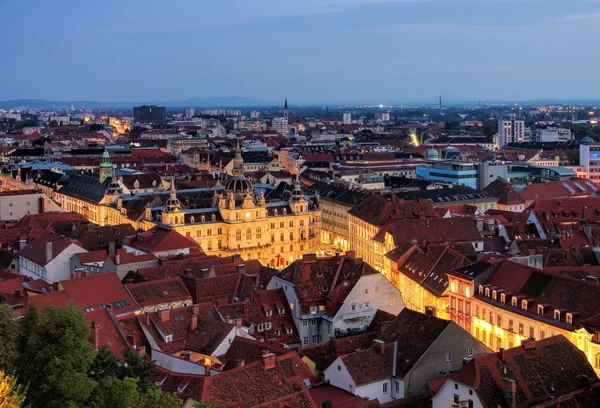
(305, 50)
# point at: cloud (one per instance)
(592, 16)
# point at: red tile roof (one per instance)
(244, 351)
(108, 331)
(543, 371)
(205, 338)
(35, 251)
(159, 239)
(254, 385)
(325, 281)
(159, 291)
(556, 189)
(429, 269)
(458, 229)
(90, 257)
(379, 209)
(98, 290)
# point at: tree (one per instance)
(11, 393)
(96, 126)
(53, 123)
(56, 355)
(206, 405)
(104, 365)
(27, 123)
(111, 393)
(135, 366)
(155, 398)
(8, 339)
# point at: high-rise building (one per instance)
(189, 113)
(510, 131)
(347, 120)
(152, 114)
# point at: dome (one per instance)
(239, 185)
(587, 139)
(433, 154)
(172, 205)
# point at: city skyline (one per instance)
(308, 51)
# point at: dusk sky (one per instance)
(307, 50)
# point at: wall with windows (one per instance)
(371, 293)
(453, 392)
(444, 356)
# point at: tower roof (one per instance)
(285, 106)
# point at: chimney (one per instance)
(132, 340)
(513, 393)
(164, 314)
(268, 360)
(241, 363)
(351, 254)
(111, 248)
(585, 382)
(22, 243)
(141, 351)
(95, 335)
(195, 309)
(238, 322)
(194, 322)
(85, 274)
(48, 251)
(327, 404)
(380, 344)
(501, 354)
(147, 319)
(227, 319)
(241, 268)
(18, 293)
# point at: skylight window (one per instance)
(579, 186)
(568, 188)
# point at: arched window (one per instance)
(238, 235)
(258, 233)
(597, 360)
(248, 234)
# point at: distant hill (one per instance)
(232, 101)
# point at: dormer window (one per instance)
(481, 289)
(540, 310)
(268, 312)
(280, 311)
(569, 318)
(514, 301)
(524, 305)
(487, 292)
(169, 338)
(494, 295)
(556, 314)
(502, 298)
(288, 330)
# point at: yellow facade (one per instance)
(501, 328)
(361, 240)
(334, 229)
(415, 296)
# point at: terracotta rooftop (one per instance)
(35, 251)
(458, 229)
(159, 291)
(379, 209)
(159, 239)
(280, 383)
(543, 371)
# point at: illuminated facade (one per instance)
(243, 222)
(501, 319)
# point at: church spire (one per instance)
(285, 106)
(172, 188)
(238, 161)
